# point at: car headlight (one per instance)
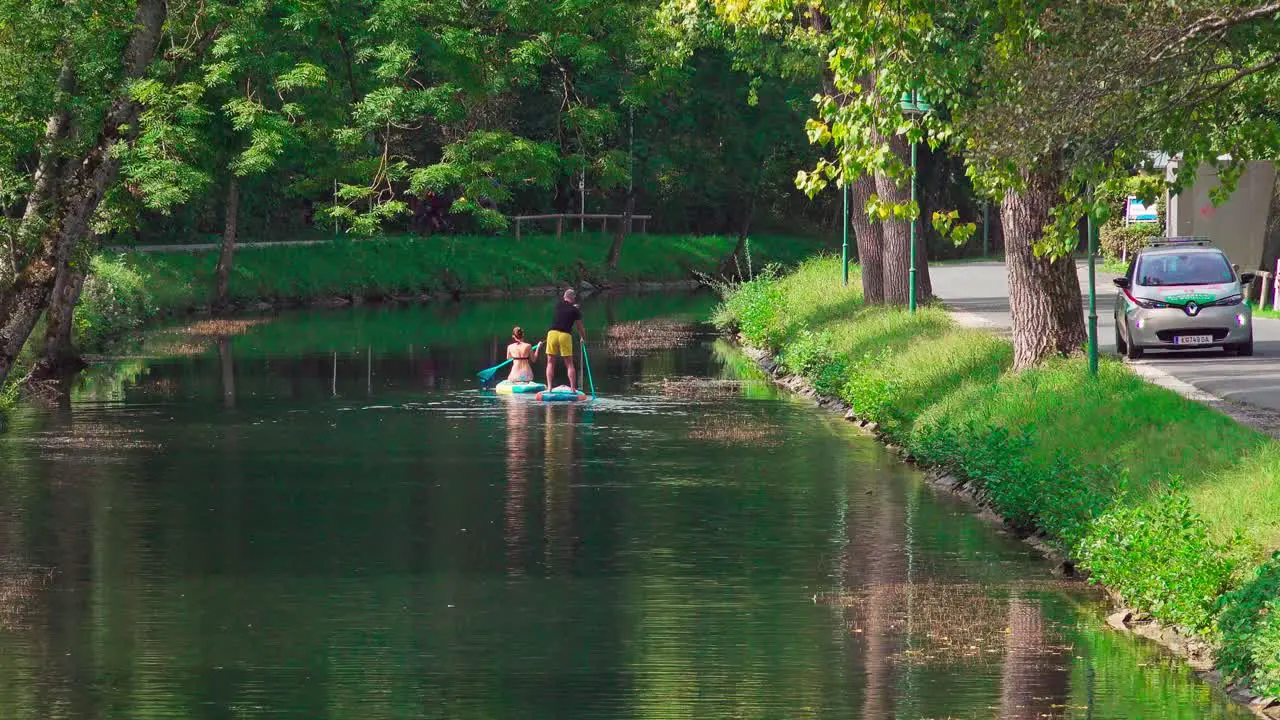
(1230, 300)
(1150, 304)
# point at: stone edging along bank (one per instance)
(1197, 653)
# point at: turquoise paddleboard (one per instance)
(506, 387)
(561, 393)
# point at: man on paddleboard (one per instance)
(564, 319)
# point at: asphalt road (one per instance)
(981, 289)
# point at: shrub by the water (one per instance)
(124, 291)
(443, 264)
(1167, 502)
(1249, 626)
(1158, 554)
(116, 299)
(754, 308)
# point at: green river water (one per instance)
(322, 516)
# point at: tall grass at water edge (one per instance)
(442, 264)
(1168, 503)
(127, 290)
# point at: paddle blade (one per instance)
(486, 375)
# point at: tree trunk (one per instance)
(222, 277)
(227, 364)
(736, 261)
(1034, 682)
(59, 358)
(620, 234)
(924, 284)
(869, 236)
(77, 197)
(48, 168)
(1044, 294)
(886, 577)
(896, 233)
(1271, 233)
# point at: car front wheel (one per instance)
(1130, 350)
(1245, 349)
(1133, 352)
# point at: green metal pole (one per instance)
(1093, 296)
(911, 290)
(986, 229)
(845, 252)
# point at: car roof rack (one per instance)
(1179, 241)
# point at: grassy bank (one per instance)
(440, 265)
(1171, 505)
(127, 290)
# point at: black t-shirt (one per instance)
(565, 315)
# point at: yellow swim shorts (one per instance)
(559, 343)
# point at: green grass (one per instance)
(1115, 266)
(127, 290)
(441, 264)
(1166, 501)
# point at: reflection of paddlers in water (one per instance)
(522, 356)
(564, 319)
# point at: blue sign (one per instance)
(1136, 212)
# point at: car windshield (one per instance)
(1185, 269)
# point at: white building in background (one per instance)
(1246, 227)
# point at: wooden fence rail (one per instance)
(604, 219)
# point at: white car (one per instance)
(1183, 294)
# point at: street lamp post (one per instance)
(986, 228)
(1093, 293)
(914, 106)
(845, 253)
(911, 290)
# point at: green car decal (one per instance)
(1183, 299)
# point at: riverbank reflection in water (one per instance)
(324, 518)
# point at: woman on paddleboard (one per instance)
(522, 356)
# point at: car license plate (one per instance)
(1193, 340)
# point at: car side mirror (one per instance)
(1247, 278)
(1122, 283)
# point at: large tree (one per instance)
(1044, 100)
(83, 168)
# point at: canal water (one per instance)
(322, 516)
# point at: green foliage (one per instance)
(1020, 92)
(1249, 626)
(755, 310)
(1118, 241)
(411, 265)
(8, 398)
(116, 299)
(1265, 651)
(1162, 499)
(1159, 555)
(807, 352)
(869, 388)
(487, 168)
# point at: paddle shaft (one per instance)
(488, 373)
(587, 364)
